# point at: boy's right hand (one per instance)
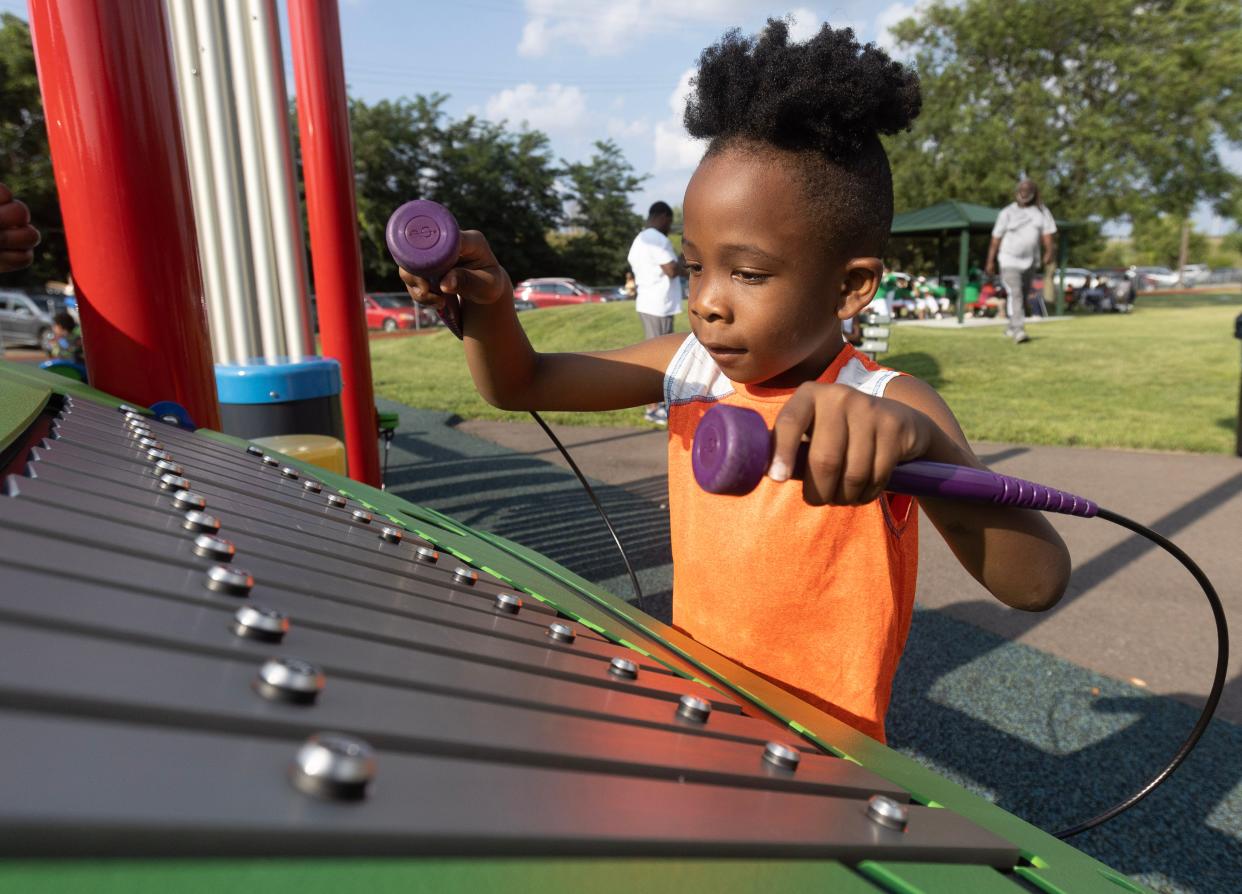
(477, 276)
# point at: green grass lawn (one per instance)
(1162, 378)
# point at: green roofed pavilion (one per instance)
(951, 216)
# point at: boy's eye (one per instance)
(694, 267)
(750, 277)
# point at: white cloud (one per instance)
(552, 109)
(676, 150)
(889, 17)
(622, 128)
(803, 24)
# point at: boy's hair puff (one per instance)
(826, 100)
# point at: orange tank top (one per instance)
(817, 599)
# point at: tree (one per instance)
(25, 161)
(1158, 240)
(600, 222)
(1116, 108)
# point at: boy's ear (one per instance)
(859, 285)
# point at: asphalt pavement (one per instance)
(1054, 716)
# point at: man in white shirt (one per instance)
(657, 273)
(1022, 229)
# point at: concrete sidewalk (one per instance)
(1131, 613)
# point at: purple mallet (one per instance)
(423, 237)
(732, 449)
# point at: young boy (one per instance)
(810, 584)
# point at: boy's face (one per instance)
(59, 331)
(764, 295)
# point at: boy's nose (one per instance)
(708, 302)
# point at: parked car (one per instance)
(391, 311)
(1195, 274)
(25, 321)
(1076, 279)
(610, 293)
(551, 291)
(1154, 277)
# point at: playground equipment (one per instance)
(215, 650)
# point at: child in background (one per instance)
(68, 345)
(810, 584)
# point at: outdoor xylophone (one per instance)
(210, 651)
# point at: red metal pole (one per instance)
(336, 258)
(116, 151)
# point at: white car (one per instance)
(1193, 274)
(1155, 277)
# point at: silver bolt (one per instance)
(691, 707)
(427, 554)
(201, 521)
(136, 422)
(334, 766)
(336, 500)
(156, 455)
(362, 517)
(257, 622)
(392, 535)
(187, 499)
(150, 443)
(624, 668)
(211, 547)
(465, 576)
(289, 472)
(887, 812)
(781, 756)
(232, 581)
(289, 680)
(126, 408)
(312, 485)
(253, 450)
(270, 460)
(164, 466)
(138, 432)
(169, 481)
(562, 633)
(507, 602)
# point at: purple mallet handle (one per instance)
(732, 449)
(423, 237)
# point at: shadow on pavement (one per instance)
(1025, 730)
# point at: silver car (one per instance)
(23, 321)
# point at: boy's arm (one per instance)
(506, 368)
(1015, 553)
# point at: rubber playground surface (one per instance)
(1052, 716)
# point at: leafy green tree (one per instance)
(25, 162)
(1115, 108)
(600, 223)
(1158, 240)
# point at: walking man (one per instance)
(657, 272)
(1023, 228)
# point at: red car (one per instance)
(555, 291)
(391, 311)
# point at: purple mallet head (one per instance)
(423, 237)
(732, 449)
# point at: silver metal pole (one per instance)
(272, 104)
(229, 189)
(198, 158)
(271, 328)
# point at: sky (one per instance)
(580, 70)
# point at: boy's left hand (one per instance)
(17, 237)
(855, 442)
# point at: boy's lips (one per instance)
(722, 349)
